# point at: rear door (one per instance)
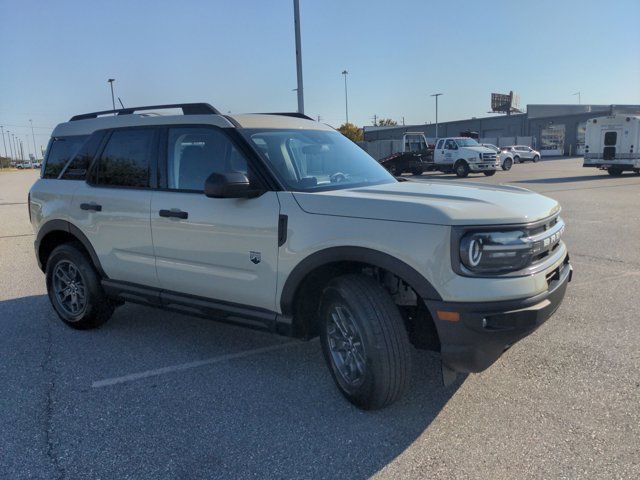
(113, 207)
(609, 143)
(218, 248)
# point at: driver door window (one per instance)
(194, 153)
(450, 145)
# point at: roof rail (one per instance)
(289, 114)
(187, 109)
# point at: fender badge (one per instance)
(255, 257)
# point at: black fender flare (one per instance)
(58, 225)
(353, 254)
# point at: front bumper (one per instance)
(482, 167)
(485, 330)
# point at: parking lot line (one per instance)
(185, 366)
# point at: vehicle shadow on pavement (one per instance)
(275, 414)
(581, 178)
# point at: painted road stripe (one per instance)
(186, 366)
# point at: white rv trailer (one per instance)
(613, 143)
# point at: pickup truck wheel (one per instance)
(614, 171)
(489, 173)
(461, 168)
(74, 289)
(392, 170)
(417, 171)
(507, 164)
(364, 341)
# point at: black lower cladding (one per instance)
(486, 330)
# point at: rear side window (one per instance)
(61, 150)
(126, 159)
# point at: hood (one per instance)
(480, 149)
(433, 202)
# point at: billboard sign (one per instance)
(505, 102)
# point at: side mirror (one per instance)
(229, 185)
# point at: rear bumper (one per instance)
(619, 164)
(485, 330)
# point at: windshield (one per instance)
(312, 160)
(466, 142)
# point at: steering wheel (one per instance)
(338, 177)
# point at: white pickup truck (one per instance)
(462, 156)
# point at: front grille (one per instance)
(489, 157)
(545, 237)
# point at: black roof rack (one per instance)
(289, 114)
(187, 109)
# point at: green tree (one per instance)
(352, 132)
(385, 122)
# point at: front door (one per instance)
(218, 248)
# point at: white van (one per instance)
(612, 143)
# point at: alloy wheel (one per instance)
(346, 346)
(69, 288)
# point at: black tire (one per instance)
(614, 171)
(516, 159)
(376, 335)
(489, 173)
(417, 171)
(461, 168)
(96, 307)
(536, 158)
(637, 170)
(393, 170)
(507, 164)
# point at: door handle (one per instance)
(91, 206)
(174, 214)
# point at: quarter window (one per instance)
(61, 150)
(194, 153)
(126, 159)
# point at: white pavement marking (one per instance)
(185, 366)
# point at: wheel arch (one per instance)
(300, 300)
(54, 233)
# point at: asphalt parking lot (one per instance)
(160, 395)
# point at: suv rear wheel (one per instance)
(516, 159)
(614, 171)
(74, 288)
(364, 341)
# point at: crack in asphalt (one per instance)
(48, 410)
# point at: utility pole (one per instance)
(3, 142)
(35, 154)
(21, 150)
(296, 21)
(403, 121)
(113, 100)
(10, 147)
(578, 94)
(436, 95)
(15, 145)
(346, 98)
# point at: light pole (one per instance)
(113, 100)
(35, 154)
(15, 145)
(578, 94)
(4, 144)
(296, 22)
(346, 98)
(10, 147)
(436, 95)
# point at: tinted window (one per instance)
(610, 138)
(61, 150)
(126, 158)
(78, 166)
(450, 145)
(195, 153)
(440, 142)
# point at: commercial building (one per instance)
(553, 129)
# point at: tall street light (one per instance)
(436, 95)
(113, 100)
(578, 94)
(35, 154)
(4, 144)
(296, 22)
(346, 98)
(10, 147)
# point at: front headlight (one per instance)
(495, 252)
(486, 251)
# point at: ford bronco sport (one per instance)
(278, 222)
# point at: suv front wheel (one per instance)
(364, 341)
(74, 288)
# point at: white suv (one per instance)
(522, 153)
(278, 222)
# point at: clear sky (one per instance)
(55, 57)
